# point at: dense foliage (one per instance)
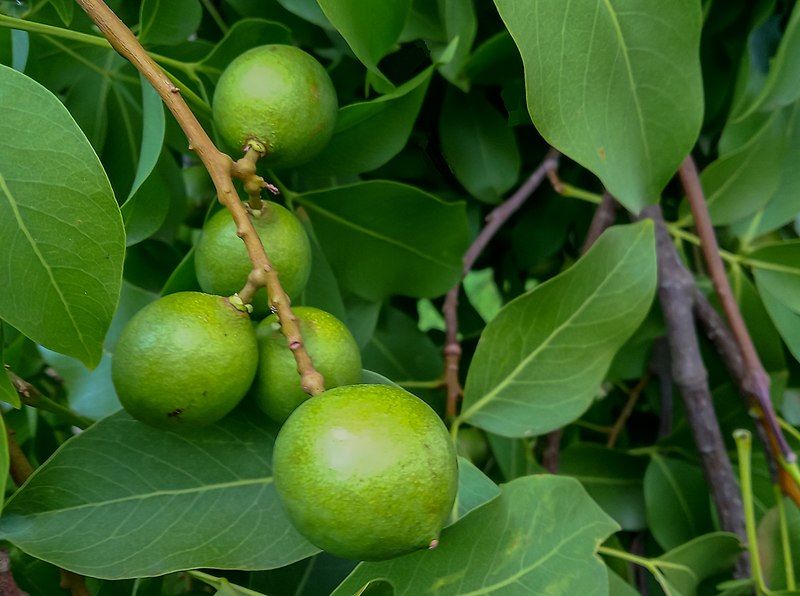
(447, 109)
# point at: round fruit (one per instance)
(184, 361)
(279, 96)
(329, 343)
(221, 261)
(471, 443)
(366, 472)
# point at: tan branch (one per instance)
(221, 168)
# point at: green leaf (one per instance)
(149, 502)
(513, 456)
(370, 33)
(370, 133)
(7, 392)
(61, 235)
(168, 22)
(540, 362)
(684, 567)
(510, 545)
(384, 238)
(782, 87)
(145, 208)
(677, 501)
(4, 463)
(771, 546)
(612, 478)
(478, 145)
(614, 87)
(460, 26)
(745, 180)
(474, 489)
(65, 10)
(91, 392)
(183, 278)
(244, 35)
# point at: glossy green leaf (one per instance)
(65, 10)
(244, 35)
(479, 146)
(521, 549)
(7, 392)
(612, 478)
(384, 238)
(168, 22)
(4, 463)
(540, 362)
(615, 87)
(370, 33)
(460, 26)
(514, 457)
(149, 501)
(782, 87)
(757, 174)
(61, 234)
(91, 392)
(684, 567)
(771, 544)
(183, 277)
(153, 127)
(677, 501)
(370, 133)
(474, 489)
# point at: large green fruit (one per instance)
(221, 260)
(366, 472)
(279, 96)
(329, 343)
(184, 361)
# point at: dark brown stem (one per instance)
(676, 295)
(221, 168)
(756, 381)
(494, 221)
(604, 216)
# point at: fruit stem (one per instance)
(222, 169)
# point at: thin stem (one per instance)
(627, 410)
(221, 168)
(786, 543)
(31, 396)
(744, 448)
(220, 583)
(789, 428)
(494, 221)
(432, 384)
(214, 13)
(756, 382)
(636, 560)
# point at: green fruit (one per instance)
(471, 443)
(221, 260)
(184, 361)
(366, 472)
(329, 343)
(279, 96)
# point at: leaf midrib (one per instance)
(366, 231)
(6, 192)
(161, 493)
(550, 338)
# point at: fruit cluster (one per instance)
(364, 471)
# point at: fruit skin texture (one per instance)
(366, 472)
(222, 264)
(329, 343)
(280, 96)
(184, 361)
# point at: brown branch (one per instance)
(20, 469)
(8, 587)
(604, 216)
(221, 168)
(494, 221)
(755, 381)
(676, 295)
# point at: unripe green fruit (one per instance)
(329, 343)
(184, 361)
(279, 96)
(366, 472)
(222, 264)
(472, 444)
